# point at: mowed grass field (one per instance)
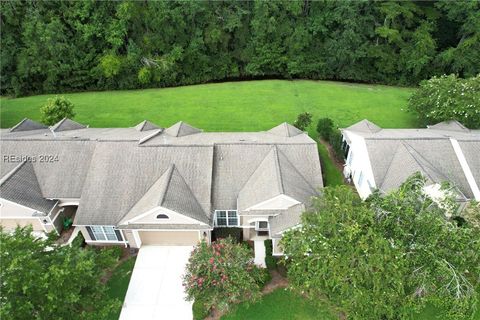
(232, 106)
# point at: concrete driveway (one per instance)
(155, 290)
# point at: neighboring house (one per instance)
(383, 159)
(149, 185)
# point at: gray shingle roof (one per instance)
(181, 129)
(60, 166)
(235, 163)
(121, 173)
(395, 154)
(285, 130)
(364, 126)
(110, 172)
(27, 125)
(395, 160)
(274, 176)
(21, 186)
(172, 192)
(287, 219)
(66, 124)
(471, 151)
(146, 126)
(450, 125)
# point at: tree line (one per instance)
(58, 46)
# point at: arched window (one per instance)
(162, 216)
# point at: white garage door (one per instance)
(169, 238)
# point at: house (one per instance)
(383, 159)
(153, 185)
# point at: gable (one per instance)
(150, 217)
(280, 202)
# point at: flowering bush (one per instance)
(222, 273)
(448, 97)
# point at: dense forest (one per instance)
(50, 46)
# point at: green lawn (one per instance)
(117, 285)
(232, 106)
(281, 304)
(229, 106)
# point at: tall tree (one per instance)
(43, 281)
(387, 257)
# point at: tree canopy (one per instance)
(447, 97)
(93, 45)
(41, 280)
(56, 109)
(385, 258)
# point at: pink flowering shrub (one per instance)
(221, 274)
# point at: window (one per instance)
(162, 216)
(350, 159)
(360, 179)
(104, 233)
(226, 218)
(232, 218)
(261, 226)
(98, 233)
(110, 233)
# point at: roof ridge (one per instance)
(296, 171)
(189, 189)
(388, 169)
(144, 139)
(12, 172)
(58, 124)
(144, 122)
(17, 125)
(277, 169)
(416, 154)
(169, 172)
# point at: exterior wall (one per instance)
(276, 249)
(130, 238)
(167, 238)
(10, 224)
(13, 214)
(56, 217)
(358, 162)
(248, 224)
(9, 209)
(84, 232)
(173, 218)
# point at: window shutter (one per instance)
(90, 233)
(119, 235)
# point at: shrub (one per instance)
(325, 128)
(270, 261)
(445, 98)
(79, 241)
(235, 233)
(263, 276)
(335, 141)
(56, 109)
(107, 256)
(303, 121)
(200, 311)
(222, 274)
